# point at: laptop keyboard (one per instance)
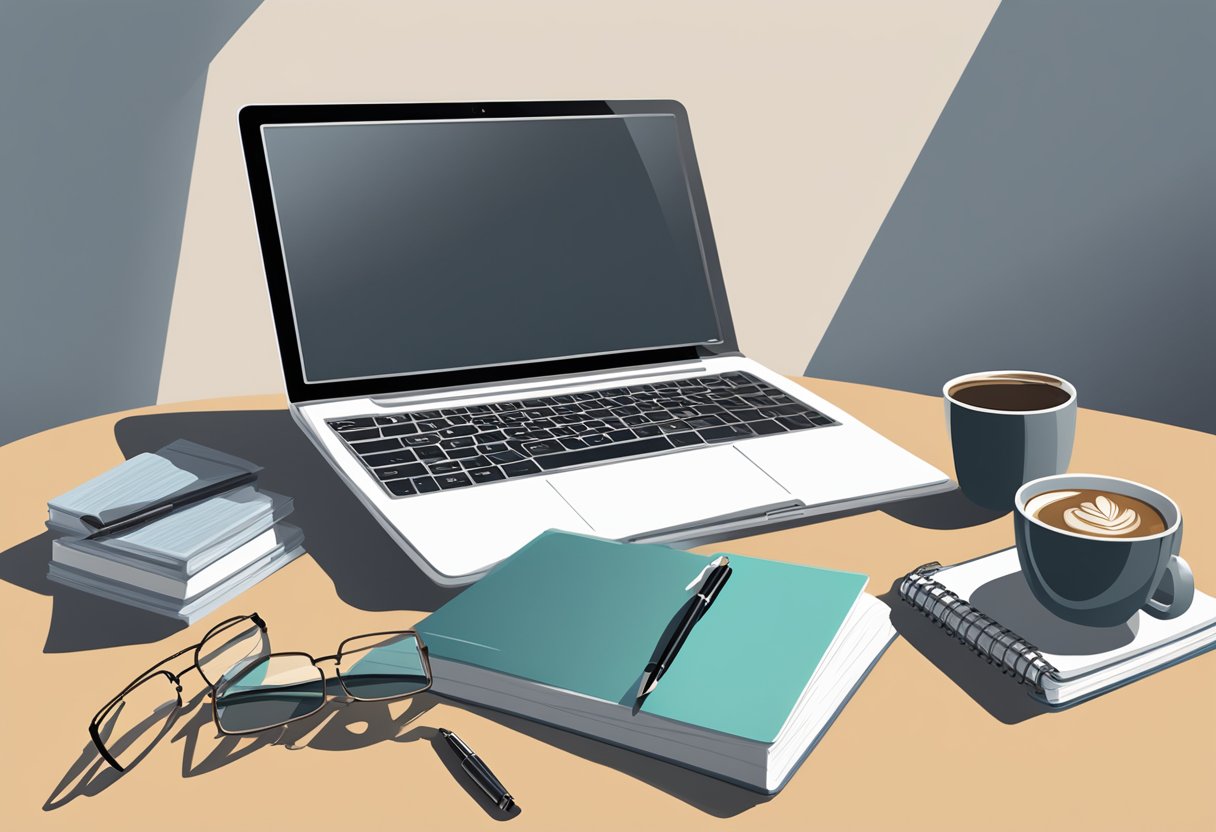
(459, 447)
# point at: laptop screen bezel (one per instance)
(254, 117)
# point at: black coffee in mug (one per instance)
(1008, 427)
(1010, 394)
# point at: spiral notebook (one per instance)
(986, 604)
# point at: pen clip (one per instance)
(700, 579)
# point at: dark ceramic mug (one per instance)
(995, 451)
(1103, 582)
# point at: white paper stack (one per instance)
(183, 563)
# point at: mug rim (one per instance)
(1064, 383)
(1019, 504)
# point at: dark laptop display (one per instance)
(430, 245)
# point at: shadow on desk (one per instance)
(993, 691)
(338, 727)
(79, 621)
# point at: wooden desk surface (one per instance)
(934, 732)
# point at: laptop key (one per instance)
(725, 433)
(476, 462)
(519, 469)
(344, 425)
(360, 435)
(376, 446)
(421, 439)
(542, 447)
(458, 442)
(648, 430)
(573, 444)
(430, 454)
(681, 440)
(394, 419)
(492, 447)
(453, 480)
(463, 453)
(601, 453)
(596, 439)
(459, 430)
(425, 485)
(442, 467)
(426, 415)
(704, 422)
(399, 430)
(766, 427)
(795, 422)
(821, 420)
(401, 488)
(401, 472)
(491, 436)
(621, 435)
(401, 457)
(486, 475)
(434, 424)
(503, 457)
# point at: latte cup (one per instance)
(1103, 581)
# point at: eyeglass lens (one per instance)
(133, 724)
(228, 651)
(382, 666)
(283, 687)
(271, 691)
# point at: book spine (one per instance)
(1002, 647)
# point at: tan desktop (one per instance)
(933, 734)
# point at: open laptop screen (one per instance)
(417, 246)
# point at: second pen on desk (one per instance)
(479, 772)
(719, 572)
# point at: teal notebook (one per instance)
(584, 615)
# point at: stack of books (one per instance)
(177, 532)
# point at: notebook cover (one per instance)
(585, 615)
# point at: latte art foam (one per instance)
(1103, 516)
(1096, 514)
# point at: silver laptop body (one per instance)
(500, 318)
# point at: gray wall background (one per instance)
(1060, 217)
(100, 106)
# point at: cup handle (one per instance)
(1179, 585)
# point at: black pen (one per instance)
(479, 771)
(165, 507)
(710, 587)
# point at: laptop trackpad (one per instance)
(662, 492)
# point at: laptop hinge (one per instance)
(689, 368)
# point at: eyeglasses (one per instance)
(253, 689)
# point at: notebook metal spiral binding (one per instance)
(1014, 655)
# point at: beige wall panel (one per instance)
(807, 118)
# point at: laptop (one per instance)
(500, 318)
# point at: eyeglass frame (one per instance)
(175, 679)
